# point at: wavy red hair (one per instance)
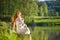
(14, 17)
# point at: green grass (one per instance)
(39, 33)
(47, 20)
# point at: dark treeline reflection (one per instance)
(54, 35)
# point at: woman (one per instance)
(18, 23)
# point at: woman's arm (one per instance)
(13, 27)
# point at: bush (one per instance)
(5, 35)
(3, 31)
(3, 25)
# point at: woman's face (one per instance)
(19, 14)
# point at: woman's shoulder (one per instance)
(16, 19)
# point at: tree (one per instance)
(43, 9)
(27, 7)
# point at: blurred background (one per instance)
(41, 16)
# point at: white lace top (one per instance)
(20, 26)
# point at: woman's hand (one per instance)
(13, 31)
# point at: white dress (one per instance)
(20, 27)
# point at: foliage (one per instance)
(27, 7)
(43, 9)
(4, 25)
(39, 33)
(3, 30)
(6, 34)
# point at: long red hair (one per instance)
(14, 17)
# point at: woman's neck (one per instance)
(19, 17)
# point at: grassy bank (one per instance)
(39, 33)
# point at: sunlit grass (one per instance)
(48, 20)
(39, 33)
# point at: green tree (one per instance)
(27, 7)
(43, 10)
